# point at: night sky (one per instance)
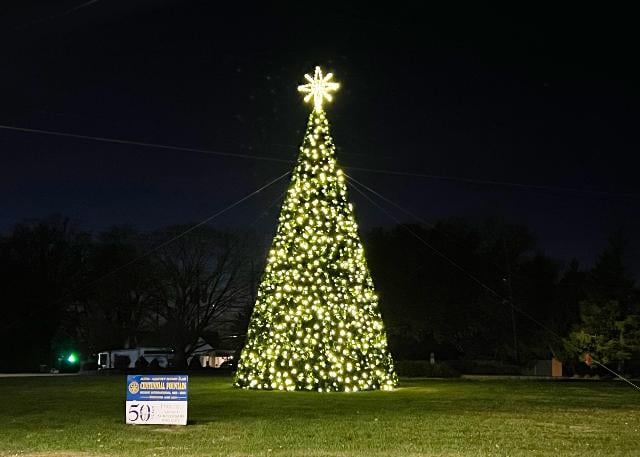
(468, 98)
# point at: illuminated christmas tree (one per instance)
(316, 324)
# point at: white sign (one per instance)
(157, 399)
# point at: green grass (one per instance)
(71, 416)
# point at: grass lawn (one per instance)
(84, 416)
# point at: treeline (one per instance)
(496, 296)
(65, 290)
(457, 290)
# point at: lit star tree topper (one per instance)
(319, 88)
(316, 324)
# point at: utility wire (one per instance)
(496, 183)
(56, 16)
(615, 374)
(269, 208)
(283, 160)
(143, 144)
(355, 185)
(165, 243)
(431, 225)
(423, 241)
(181, 234)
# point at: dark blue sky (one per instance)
(542, 97)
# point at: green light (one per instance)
(72, 358)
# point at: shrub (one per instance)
(194, 363)
(89, 366)
(142, 362)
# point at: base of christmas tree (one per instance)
(305, 382)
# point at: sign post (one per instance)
(157, 399)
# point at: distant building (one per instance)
(211, 357)
(552, 368)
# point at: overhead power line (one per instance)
(356, 186)
(161, 245)
(183, 233)
(497, 183)
(56, 16)
(522, 186)
(143, 144)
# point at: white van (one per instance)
(107, 359)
